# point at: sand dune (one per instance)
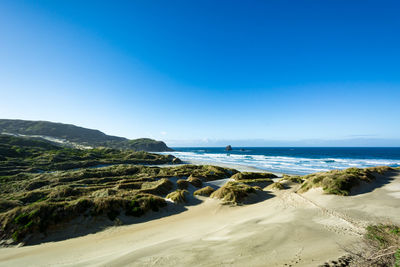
(285, 230)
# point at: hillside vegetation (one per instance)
(33, 202)
(43, 186)
(18, 154)
(74, 135)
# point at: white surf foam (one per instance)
(293, 165)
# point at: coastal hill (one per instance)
(78, 137)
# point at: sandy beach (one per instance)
(285, 229)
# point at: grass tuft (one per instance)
(275, 186)
(233, 192)
(196, 182)
(205, 191)
(253, 175)
(340, 182)
(182, 184)
(178, 196)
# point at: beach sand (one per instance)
(286, 229)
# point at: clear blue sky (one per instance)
(192, 72)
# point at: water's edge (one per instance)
(292, 160)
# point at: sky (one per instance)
(202, 73)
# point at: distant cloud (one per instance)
(163, 133)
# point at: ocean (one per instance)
(294, 160)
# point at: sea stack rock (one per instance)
(228, 148)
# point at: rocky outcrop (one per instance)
(228, 148)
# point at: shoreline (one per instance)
(300, 161)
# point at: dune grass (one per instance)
(109, 191)
(196, 182)
(159, 187)
(233, 192)
(182, 184)
(178, 196)
(38, 217)
(275, 186)
(340, 182)
(253, 176)
(210, 173)
(292, 179)
(205, 191)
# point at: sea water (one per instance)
(294, 160)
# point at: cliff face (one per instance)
(71, 135)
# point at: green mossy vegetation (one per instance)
(340, 182)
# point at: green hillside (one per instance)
(79, 135)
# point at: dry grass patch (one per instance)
(381, 247)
